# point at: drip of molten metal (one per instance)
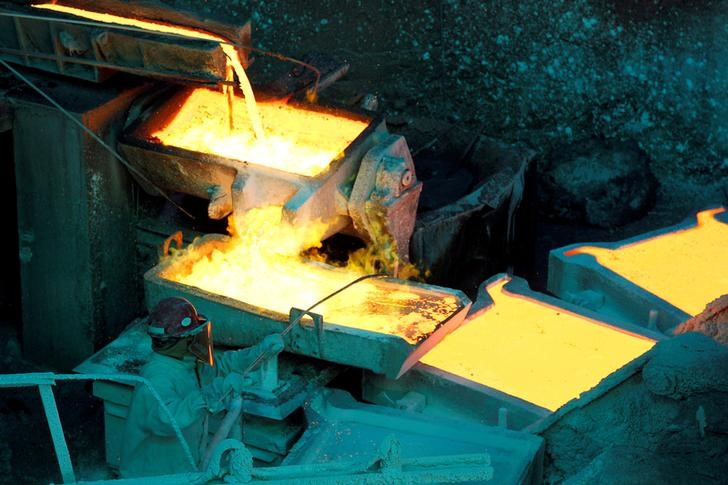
(262, 266)
(229, 50)
(297, 140)
(687, 268)
(534, 351)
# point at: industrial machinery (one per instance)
(448, 388)
(164, 113)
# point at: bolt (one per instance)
(407, 178)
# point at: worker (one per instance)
(192, 381)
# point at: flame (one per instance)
(687, 268)
(296, 140)
(534, 351)
(262, 265)
(229, 50)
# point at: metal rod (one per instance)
(94, 136)
(289, 59)
(59, 441)
(296, 320)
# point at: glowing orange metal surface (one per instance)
(296, 140)
(262, 267)
(534, 351)
(687, 268)
(232, 54)
(270, 134)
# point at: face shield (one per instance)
(201, 345)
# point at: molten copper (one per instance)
(261, 265)
(297, 140)
(687, 268)
(535, 351)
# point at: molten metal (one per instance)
(232, 54)
(262, 267)
(687, 268)
(296, 140)
(534, 351)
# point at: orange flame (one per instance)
(261, 265)
(535, 351)
(687, 268)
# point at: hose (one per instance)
(233, 413)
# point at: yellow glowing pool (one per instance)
(261, 265)
(297, 140)
(271, 134)
(534, 351)
(688, 267)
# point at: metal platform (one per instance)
(270, 425)
(342, 429)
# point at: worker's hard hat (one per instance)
(175, 317)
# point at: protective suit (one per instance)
(192, 382)
(190, 392)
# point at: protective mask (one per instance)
(201, 345)
(171, 347)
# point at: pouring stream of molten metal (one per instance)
(294, 140)
(228, 49)
(261, 264)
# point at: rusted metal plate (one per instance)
(66, 44)
(390, 342)
(72, 199)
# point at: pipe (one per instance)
(234, 411)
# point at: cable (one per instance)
(93, 135)
(331, 295)
(296, 320)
